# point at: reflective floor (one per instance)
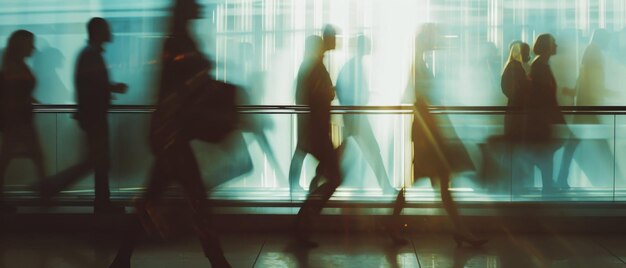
(357, 249)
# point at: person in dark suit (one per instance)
(544, 112)
(295, 168)
(19, 137)
(352, 89)
(315, 89)
(94, 88)
(184, 72)
(93, 95)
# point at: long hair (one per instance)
(542, 44)
(17, 47)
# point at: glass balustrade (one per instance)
(252, 165)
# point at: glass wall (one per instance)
(254, 166)
(259, 44)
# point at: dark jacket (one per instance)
(92, 85)
(517, 88)
(17, 90)
(544, 111)
(315, 89)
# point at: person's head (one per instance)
(363, 45)
(21, 44)
(545, 45)
(519, 51)
(99, 31)
(186, 10)
(314, 47)
(182, 12)
(329, 36)
(426, 38)
(601, 37)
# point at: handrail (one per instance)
(393, 109)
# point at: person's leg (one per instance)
(5, 159)
(371, 152)
(316, 200)
(98, 143)
(546, 166)
(130, 236)
(295, 169)
(461, 234)
(188, 175)
(34, 150)
(160, 177)
(568, 155)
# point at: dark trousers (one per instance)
(328, 168)
(98, 160)
(178, 164)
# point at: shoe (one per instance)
(473, 242)
(109, 209)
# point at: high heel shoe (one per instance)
(473, 242)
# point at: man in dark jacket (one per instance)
(93, 92)
(94, 89)
(315, 89)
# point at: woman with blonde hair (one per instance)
(516, 86)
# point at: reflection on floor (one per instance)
(336, 250)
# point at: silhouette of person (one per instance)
(591, 91)
(184, 68)
(544, 112)
(516, 86)
(302, 149)
(93, 92)
(430, 156)
(315, 89)
(19, 137)
(352, 89)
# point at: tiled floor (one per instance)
(336, 250)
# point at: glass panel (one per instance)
(582, 162)
(21, 172)
(260, 43)
(481, 162)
